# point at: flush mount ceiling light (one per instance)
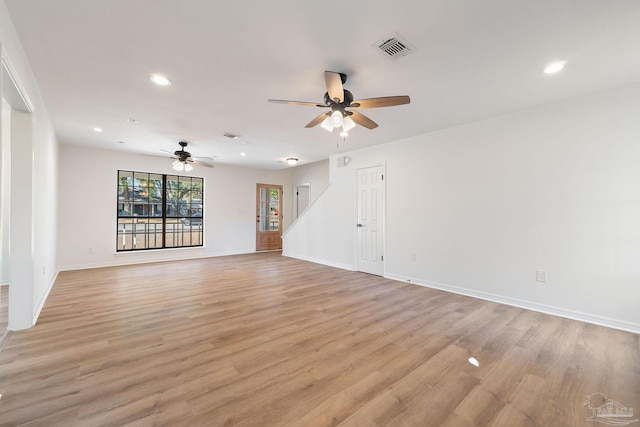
(243, 154)
(160, 80)
(555, 67)
(292, 161)
(97, 129)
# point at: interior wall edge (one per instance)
(43, 299)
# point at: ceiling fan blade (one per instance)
(318, 119)
(307, 104)
(158, 155)
(198, 162)
(334, 85)
(382, 101)
(363, 120)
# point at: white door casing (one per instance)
(370, 244)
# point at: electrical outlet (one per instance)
(541, 276)
(414, 256)
(90, 251)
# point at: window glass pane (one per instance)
(264, 216)
(172, 196)
(174, 230)
(185, 184)
(125, 232)
(155, 192)
(140, 179)
(125, 177)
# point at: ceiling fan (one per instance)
(338, 99)
(183, 159)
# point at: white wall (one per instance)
(87, 208)
(315, 174)
(33, 186)
(486, 204)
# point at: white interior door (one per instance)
(370, 220)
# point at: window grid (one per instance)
(157, 211)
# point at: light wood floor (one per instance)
(264, 340)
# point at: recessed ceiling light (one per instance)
(555, 67)
(97, 129)
(243, 154)
(160, 80)
(121, 142)
(131, 120)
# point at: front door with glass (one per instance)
(268, 217)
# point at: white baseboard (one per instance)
(542, 308)
(40, 305)
(140, 258)
(320, 261)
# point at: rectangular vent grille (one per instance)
(231, 135)
(395, 46)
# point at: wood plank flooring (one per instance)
(265, 340)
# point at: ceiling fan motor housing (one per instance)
(181, 154)
(348, 99)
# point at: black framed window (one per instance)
(158, 211)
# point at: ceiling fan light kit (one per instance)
(326, 124)
(180, 166)
(338, 99)
(348, 124)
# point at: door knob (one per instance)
(360, 225)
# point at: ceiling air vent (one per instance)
(231, 135)
(394, 46)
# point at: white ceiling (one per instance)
(472, 60)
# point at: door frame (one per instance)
(271, 234)
(383, 221)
